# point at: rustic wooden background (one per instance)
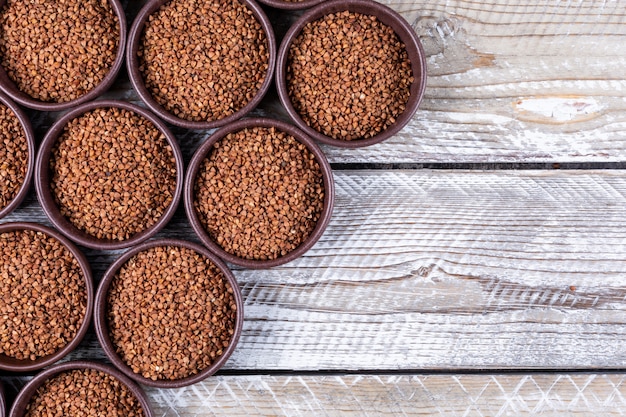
(462, 273)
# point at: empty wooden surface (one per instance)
(429, 284)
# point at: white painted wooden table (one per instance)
(461, 274)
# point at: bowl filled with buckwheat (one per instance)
(351, 73)
(56, 55)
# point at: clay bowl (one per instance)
(190, 195)
(103, 322)
(386, 16)
(11, 89)
(291, 5)
(138, 82)
(30, 141)
(43, 178)
(3, 404)
(12, 364)
(26, 394)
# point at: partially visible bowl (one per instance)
(54, 272)
(116, 383)
(195, 76)
(94, 181)
(29, 139)
(3, 404)
(8, 86)
(248, 218)
(291, 4)
(336, 98)
(168, 313)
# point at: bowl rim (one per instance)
(30, 143)
(387, 16)
(28, 365)
(42, 178)
(136, 79)
(206, 147)
(291, 5)
(9, 87)
(3, 404)
(27, 392)
(101, 325)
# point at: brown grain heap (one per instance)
(203, 60)
(348, 75)
(83, 392)
(43, 297)
(57, 51)
(170, 312)
(259, 193)
(113, 173)
(13, 156)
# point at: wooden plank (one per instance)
(464, 395)
(442, 270)
(508, 82)
(445, 270)
(392, 395)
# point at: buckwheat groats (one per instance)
(259, 193)
(57, 51)
(13, 156)
(113, 173)
(348, 75)
(83, 392)
(170, 312)
(203, 60)
(43, 296)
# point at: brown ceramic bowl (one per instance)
(388, 17)
(102, 326)
(30, 140)
(132, 64)
(203, 152)
(8, 363)
(43, 178)
(25, 395)
(291, 5)
(3, 405)
(9, 87)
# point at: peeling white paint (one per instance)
(561, 109)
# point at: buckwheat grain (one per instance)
(13, 156)
(83, 392)
(259, 193)
(113, 173)
(170, 313)
(203, 60)
(57, 51)
(43, 298)
(348, 75)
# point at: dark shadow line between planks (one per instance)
(424, 372)
(478, 166)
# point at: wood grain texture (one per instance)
(441, 270)
(444, 270)
(415, 395)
